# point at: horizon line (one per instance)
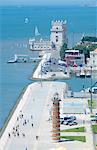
(70, 5)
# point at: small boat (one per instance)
(36, 31)
(78, 74)
(12, 61)
(26, 20)
(82, 74)
(88, 74)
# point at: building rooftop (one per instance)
(96, 50)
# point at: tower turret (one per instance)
(58, 33)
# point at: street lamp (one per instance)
(41, 75)
(91, 90)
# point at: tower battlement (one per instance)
(58, 22)
(58, 32)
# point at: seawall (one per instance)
(4, 137)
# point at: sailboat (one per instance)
(26, 20)
(36, 32)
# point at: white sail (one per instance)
(26, 20)
(36, 31)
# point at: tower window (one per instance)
(56, 40)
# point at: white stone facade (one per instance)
(74, 57)
(40, 45)
(58, 33)
(57, 38)
(92, 61)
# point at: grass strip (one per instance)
(94, 104)
(75, 138)
(94, 128)
(79, 129)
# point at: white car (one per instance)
(72, 123)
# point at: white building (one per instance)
(40, 45)
(92, 61)
(73, 57)
(57, 38)
(58, 33)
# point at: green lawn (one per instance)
(75, 138)
(92, 116)
(79, 129)
(94, 128)
(94, 104)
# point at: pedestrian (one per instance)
(17, 118)
(31, 117)
(32, 124)
(37, 137)
(16, 129)
(18, 134)
(25, 121)
(9, 135)
(23, 134)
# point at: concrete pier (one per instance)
(29, 126)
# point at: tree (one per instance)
(89, 39)
(85, 49)
(62, 51)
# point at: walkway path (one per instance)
(32, 130)
(33, 121)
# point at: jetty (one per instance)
(30, 127)
(49, 68)
(20, 58)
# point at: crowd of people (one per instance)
(18, 129)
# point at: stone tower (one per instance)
(56, 118)
(58, 33)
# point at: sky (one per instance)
(48, 2)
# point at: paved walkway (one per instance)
(33, 119)
(32, 130)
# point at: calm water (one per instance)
(14, 35)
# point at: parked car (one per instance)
(94, 119)
(65, 122)
(73, 117)
(70, 118)
(66, 118)
(72, 123)
(61, 120)
(53, 75)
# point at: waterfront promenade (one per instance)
(31, 119)
(31, 125)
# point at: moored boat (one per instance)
(88, 74)
(82, 74)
